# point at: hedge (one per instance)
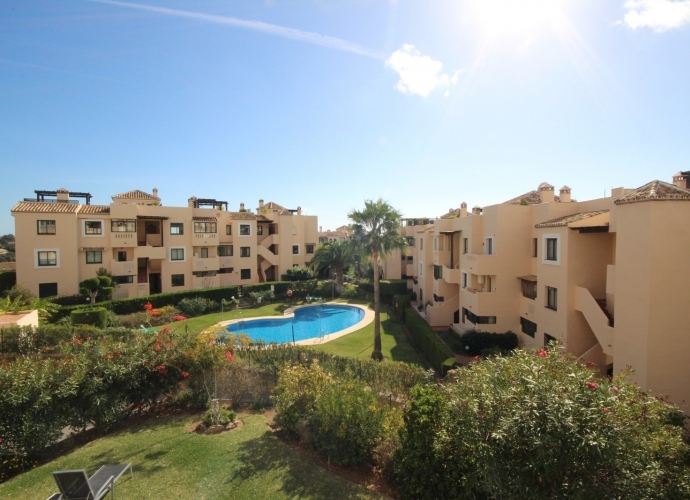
(97, 316)
(424, 338)
(401, 303)
(387, 288)
(479, 341)
(45, 337)
(7, 280)
(136, 304)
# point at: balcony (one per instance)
(409, 270)
(205, 264)
(226, 261)
(451, 275)
(148, 252)
(205, 281)
(118, 240)
(447, 225)
(127, 268)
(205, 239)
(481, 264)
(481, 303)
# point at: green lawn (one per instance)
(169, 462)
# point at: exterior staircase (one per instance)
(602, 304)
(244, 303)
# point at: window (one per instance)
(225, 251)
(529, 289)
(421, 268)
(421, 243)
(410, 241)
(489, 248)
(271, 229)
(465, 245)
(438, 298)
(204, 253)
(177, 254)
(295, 249)
(47, 258)
(464, 279)
(228, 229)
(528, 327)
(244, 252)
(123, 280)
(534, 246)
(93, 227)
(259, 230)
(245, 230)
(551, 249)
(477, 320)
(548, 338)
(245, 274)
(552, 298)
(46, 290)
(121, 256)
(94, 257)
(435, 244)
(309, 248)
(438, 273)
(45, 227)
(123, 226)
(176, 228)
(177, 279)
(205, 227)
(152, 228)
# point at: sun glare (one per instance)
(517, 17)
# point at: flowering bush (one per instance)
(539, 425)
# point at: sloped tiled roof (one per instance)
(532, 198)
(247, 216)
(453, 213)
(42, 207)
(655, 191)
(567, 219)
(94, 209)
(274, 206)
(135, 194)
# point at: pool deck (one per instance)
(368, 318)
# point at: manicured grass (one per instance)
(170, 462)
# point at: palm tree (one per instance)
(336, 256)
(376, 231)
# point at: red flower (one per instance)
(179, 317)
(606, 410)
(229, 356)
(154, 312)
(542, 353)
(161, 369)
(592, 385)
(148, 306)
(614, 388)
(185, 374)
(477, 358)
(590, 364)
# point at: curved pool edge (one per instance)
(366, 320)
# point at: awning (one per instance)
(529, 277)
(204, 219)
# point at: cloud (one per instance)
(418, 74)
(660, 15)
(271, 29)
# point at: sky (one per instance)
(326, 103)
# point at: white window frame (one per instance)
(57, 258)
(86, 256)
(250, 230)
(421, 268)
(83, 228)
(544, 244)
(298, 249)
(489, 245)
(464, 279)
(184, 252)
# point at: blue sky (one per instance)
(324, 104)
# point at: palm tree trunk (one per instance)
(339, 280)
(377, 354)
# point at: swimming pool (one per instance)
(309, 322)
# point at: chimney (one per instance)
(476, 210)
(299, 210)
(546, 192)
(191, 203)
(564, 194)
(321, 229)
(682, 180)
(463, 209)
(261, 203)
(62, 195)
(155, 193)
(242, 207)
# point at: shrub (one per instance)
(347, 423)
(301, 273)
(478, 341)
(387, 288)
(541, 426)
(196, 306)
(224, 417)
(262, 297)
(97, 317)
(349, 291)
(424, 338)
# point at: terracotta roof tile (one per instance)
(532, 198)
(567, 219)
(247, 216)
(94, 209)
(204, 219)
(135, 194)
(42, 207)
(655, 191)
(274, 206)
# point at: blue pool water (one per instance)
(307, 321)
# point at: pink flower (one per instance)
(592, 385)
(477, 358)
(614, 388)
(590, 364)
(543, 353)
(606, 410)
(185, 374)
(229, 356)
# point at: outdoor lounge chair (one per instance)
(75, 485)
(148, 330)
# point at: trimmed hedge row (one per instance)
(387, 288)
(136, 304)
(480, 341)
(44, 338)
(7, 280)
(98, 317)
(424, 338)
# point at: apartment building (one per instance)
(340, 234)
(608, 278)
(61, 239)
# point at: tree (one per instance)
(99, 285)
(334, 256)
(376, 232)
